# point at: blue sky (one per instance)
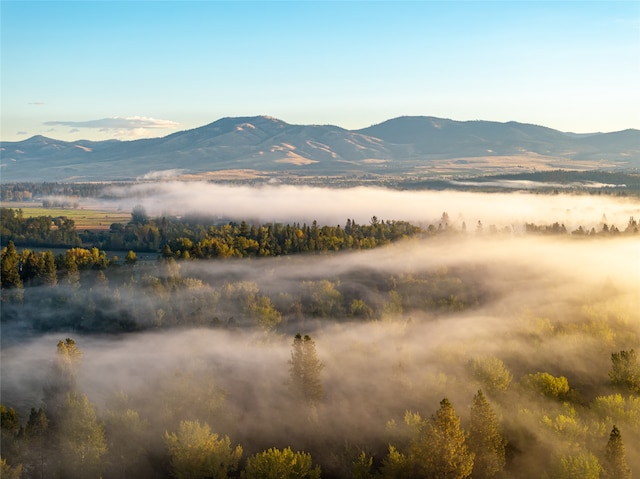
(118, 69)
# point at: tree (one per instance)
(277, 464)
(82, 442)
(485, 439)
(62, 380)
(125, 433)
(438, 448)
(197, 453)
(616, 466)
(36, 435)
(491, 373)
(304, 370)
(131, 258)
(625, 370)
(10, 267)
(579, 466)
(547, 384)
(139, 215)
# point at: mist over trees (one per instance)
(437, 354)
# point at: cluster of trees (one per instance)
(606, 230)
(68, 437)
(37, 230)
(96, 296)
(28, 191)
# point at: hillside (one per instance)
(268, 146)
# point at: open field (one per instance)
(85, 219)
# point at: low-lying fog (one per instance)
(559, 305)
(287, 204)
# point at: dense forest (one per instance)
(431, 356)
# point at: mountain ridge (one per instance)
(404, 145)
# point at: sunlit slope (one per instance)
(404, 145)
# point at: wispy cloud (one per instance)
(117, 123)
(132, 127)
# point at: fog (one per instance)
(333, 206)
(557, 305)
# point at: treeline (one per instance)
(28, 190)
(37, 230)
(95, 294)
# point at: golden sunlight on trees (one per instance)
(197, 453)
(615, 465)
(485, 439)
(277, 464)
(583, 465)
(437, 448)
(491, 373)
(625, 370)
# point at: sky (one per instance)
(117, 69)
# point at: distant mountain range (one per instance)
(416, 145)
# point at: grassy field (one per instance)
(85, 219)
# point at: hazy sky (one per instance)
(119, 69)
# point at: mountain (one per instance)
(405, 145)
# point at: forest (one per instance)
(379, 349)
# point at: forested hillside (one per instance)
(351, 363)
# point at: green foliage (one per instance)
(583, 465)
(485, 439)
(82, 441)
(281, 464)
(617, 408)
(197, 453)
(9, 419)
(625, 370)
(38, 230)
(437, 448)
(304, 370)
(10, 267)
(125, 432)
(491, 373)
(615, 465)
(547, 385)
(131, 257)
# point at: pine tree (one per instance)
(625, 370)
(439, 450)
(82, 441)
(485, 440)
(10, 267)
(616, 466)
(304, 370)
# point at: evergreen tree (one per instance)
(625, 370)
(304, 370)
(62, 380)
(36, 436)
(485, 439)
(439, 449)
(616, 466)
(10, 267)
(47, 269)
(82, 441)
